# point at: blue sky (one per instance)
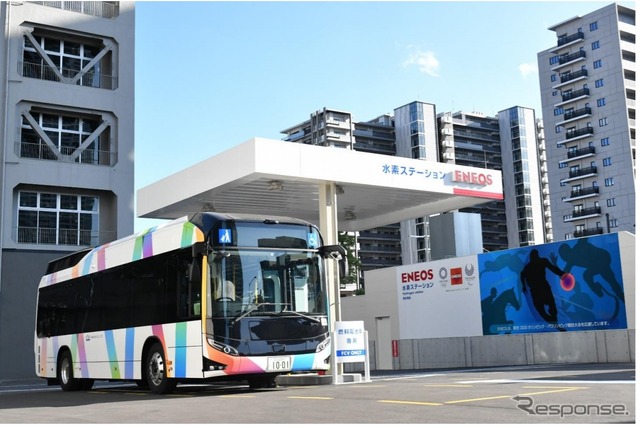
(211, 75)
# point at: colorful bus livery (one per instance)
(199, 298)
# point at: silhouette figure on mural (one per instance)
(595, 261)
(494, 309)
(534, 277)
(510, 261)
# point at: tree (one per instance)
(348, 241)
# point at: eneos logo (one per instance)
(418, 275)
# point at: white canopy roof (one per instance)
(272, 177)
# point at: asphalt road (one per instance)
(594, 393)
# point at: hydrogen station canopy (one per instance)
(272, 177)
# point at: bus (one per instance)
(201, 298)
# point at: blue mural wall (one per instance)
(565, 286)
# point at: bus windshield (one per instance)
(266, 282)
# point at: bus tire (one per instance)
(155, 371)
(65, 373)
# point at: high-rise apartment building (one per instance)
(525, 181)
(68, 139)
(587, 84)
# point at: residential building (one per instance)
(587, 85)
(68, 126)
(524, 176)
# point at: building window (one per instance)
(57, 219)
(558, 111)
(66, 137)
(599, 83)
(554, 93)
(613, 222)
(611, 202)
(608, 182)
(69, 57)
(558, 129)
(563, 165)
(603, 122)
(604, 141)
(595, 45)
(606, 162)
(554, 60)
(601, 102)
(553, 77)
(597, 63)
(593, 26)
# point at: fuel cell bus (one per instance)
(202, 298)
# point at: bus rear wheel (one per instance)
(156, 371)
(65, 373)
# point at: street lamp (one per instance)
(411, 245)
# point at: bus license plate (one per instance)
(278, 364)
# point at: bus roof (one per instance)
(179, 233)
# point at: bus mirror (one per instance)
(336, 252)
(343, 267)
(198, 249)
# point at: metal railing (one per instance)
(103, 9)
(563, 59)
(575, 94)
(588, 232)
(571, 76)
(568, 39)
(594, 190)
(74, 237)
(44, 72)
(574, 153)
(583, 171)
(577, 113)
(87, 156)
(573, 133)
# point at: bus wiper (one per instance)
(238, 318)
(284, 311)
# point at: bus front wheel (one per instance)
(156, 371)
(65, 375)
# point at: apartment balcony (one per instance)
(583, 213)
(66, 154)
(576, 114)
(577, 154)
(569, 78)
(579, 174)
(67, 76)
(577, 134)
(573, 96)
(588, 232)
(582, 194)
(569, 40)
(73, 237)
(103, 9)
(568, 59)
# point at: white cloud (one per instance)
(527, 69)
(425, 60)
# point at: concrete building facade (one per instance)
(587, 84)
(68, 133)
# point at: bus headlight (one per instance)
(324, 344)
(230, 350)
